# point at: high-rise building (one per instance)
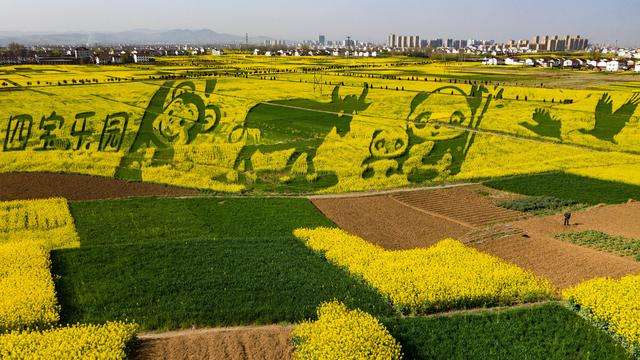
(392, 41)
(556, 43)
(403, 41)
(322, 40)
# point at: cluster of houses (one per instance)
(324, 52)
(613, 65)
(99, 55)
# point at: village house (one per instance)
(612, 66)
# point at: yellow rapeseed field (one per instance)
(29, 229)
(28, 294)
(561, 137)
(107, 341)
(612, 302)
(47, 222)
(444, 276)
(343, 334)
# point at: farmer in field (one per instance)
(567, 219)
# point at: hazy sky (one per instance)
(600, 20)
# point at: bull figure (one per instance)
(300, 125)
(176, 114)
(434, 142)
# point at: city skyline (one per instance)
(363, 20)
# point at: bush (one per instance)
(601, 241)
(343, 334)
(537, 203)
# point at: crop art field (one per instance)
(318, 208)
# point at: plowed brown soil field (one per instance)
(242, 343)
(19, 186)
(567, 264)
(564, 264)
(387, 222)
(414, 219)
(621, 220)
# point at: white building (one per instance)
(141, 59)
(612, 66)
(490, 62)
(567, 63)
(529, 62)
(602, 64)
(510, 61)
(637, 68)
(216, 52)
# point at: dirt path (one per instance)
(18, 186)
(255, 342)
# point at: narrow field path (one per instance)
(271, 342)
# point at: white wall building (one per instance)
(613, 66)
(637, 68)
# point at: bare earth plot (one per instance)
(251, 343)
(463, 204)
(413, 219)
(564, 264)
(19, 186)
(389, 223)
(622, 220)
(567, 264)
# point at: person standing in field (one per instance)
(567, 219)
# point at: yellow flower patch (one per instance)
(28, 294)
(28, 231)
(614, 302)
(47, 222)
(107, 341)
(444, 276)
(343, 334)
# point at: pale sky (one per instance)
(601, 21)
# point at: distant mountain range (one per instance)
(130, 37)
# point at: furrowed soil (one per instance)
(622, 220)
(251, 343)
(387, 222)
(39, 185)
(412, 219)
(567, 264)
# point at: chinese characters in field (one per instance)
(85, 131)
